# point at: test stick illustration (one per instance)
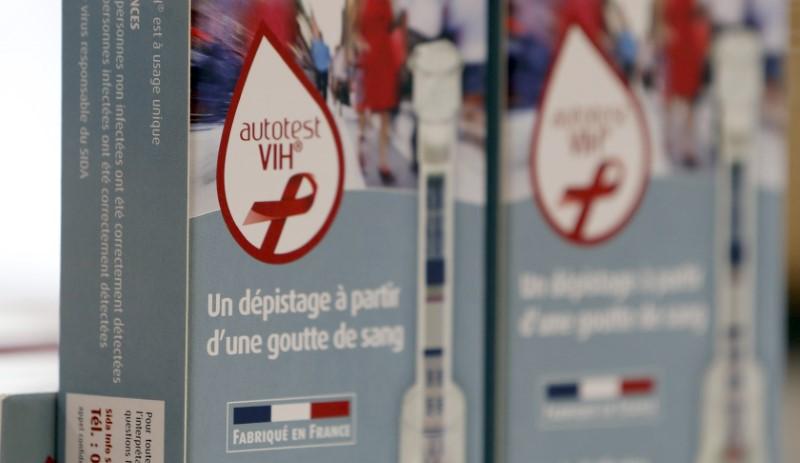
(733, 422)
(434, 408)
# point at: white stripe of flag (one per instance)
(600, 388)
(291, 412)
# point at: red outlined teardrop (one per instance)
(280, 169)
(591, 157)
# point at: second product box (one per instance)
(642, 307)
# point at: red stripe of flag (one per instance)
(638, 386)
(322, 410)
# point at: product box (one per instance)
(28, 428)
(640, 318)
(273, 231)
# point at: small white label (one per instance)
(103, 429)
(291, 423)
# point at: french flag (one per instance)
(298, 411)
(601, 388)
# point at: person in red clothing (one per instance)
(589, 14)
(280, 16)
(379, 72)
(687, 37)
(607, 25)
(686, 48)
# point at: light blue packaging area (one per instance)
(676, 358)
(656, 238)
(28, 428)
(641, 307)
(359, 253)
(770, 320)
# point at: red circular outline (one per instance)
(255, 252)
(641, 119)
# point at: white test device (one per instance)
(433, 422)
(733, 426)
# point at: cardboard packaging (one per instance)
(273, 231)
(642, 308)
(28, 428)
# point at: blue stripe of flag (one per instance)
(252, 415)
(565, 391)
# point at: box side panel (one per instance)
(124, 193)
(28, 428)
(771, 310)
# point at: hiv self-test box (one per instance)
(273, 231)
(28, 428)
(640, 318)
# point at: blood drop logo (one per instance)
(591, 152)
(280, 171)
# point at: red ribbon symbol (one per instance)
(604, 184)
(279, 211)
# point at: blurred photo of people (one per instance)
(686, 45)
(356, 55)
(537, 27)
(321, 57)
(661, 48)
(532, 30)
(379, 75)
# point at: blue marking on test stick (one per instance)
(434, 352)
(435, 272)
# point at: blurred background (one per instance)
(30, 89)
(793, 245)
(30, 45)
